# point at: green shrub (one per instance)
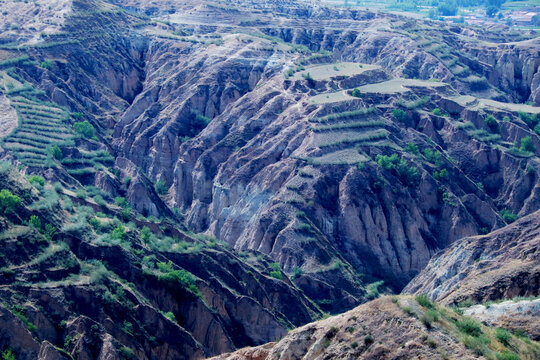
(169, 315)
(429, 317)
(126, 353)
(492, 123)
(437, 112)
(7, 354)
(424, 301)
(356, 93)
(35, 222)
(434, 157)
(81, 193)
(409, 311)
(160, 187)
(508, 216)
(412, 148)
(85, 129)
(372, 290)
(49, 231)
(368, 340)
(196, 123)
(304, 228)
(440, 175)
(20, 312)
(36, 180)
(119, 233)
(46, 64)
(95, 223)
(186, 279)
(99, 200)
(527, 144)
(146, 234)
(408, 175)
(67, 341)
(296, 272)
(399, 115)
(125, 214)
(121, 201)
(503, 336)
(56, 152)
(530, 119)
(469, 326)
(276, 274)
(476, 344)
(8, 202)
(507, 355)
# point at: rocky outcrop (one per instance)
(384, 328)
(514, 315)
(8, 117)
(500, 265)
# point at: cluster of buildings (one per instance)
(527, 17)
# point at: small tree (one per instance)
(8, 354)
(121, 201)
(46, 64)
(35, 222)
(412, 148)
(356, 93)
(49, 231)
(56, 152)
(527, 144)
(36, 180)
(399, 115)
(160, 187)
(85, 129)
(8, 202)
(146, 234)
(119, 233)
(492, 123)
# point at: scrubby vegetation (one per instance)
(407, 174)
(8, 202)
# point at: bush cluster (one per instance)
(408, 175)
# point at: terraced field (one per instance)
(41, 126)
(87, 163)
(327, 71)
(398, 85)
(339, 134)
(331, 97)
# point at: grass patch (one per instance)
(469, 326)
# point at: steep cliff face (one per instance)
(501, 265)
(69, 285)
